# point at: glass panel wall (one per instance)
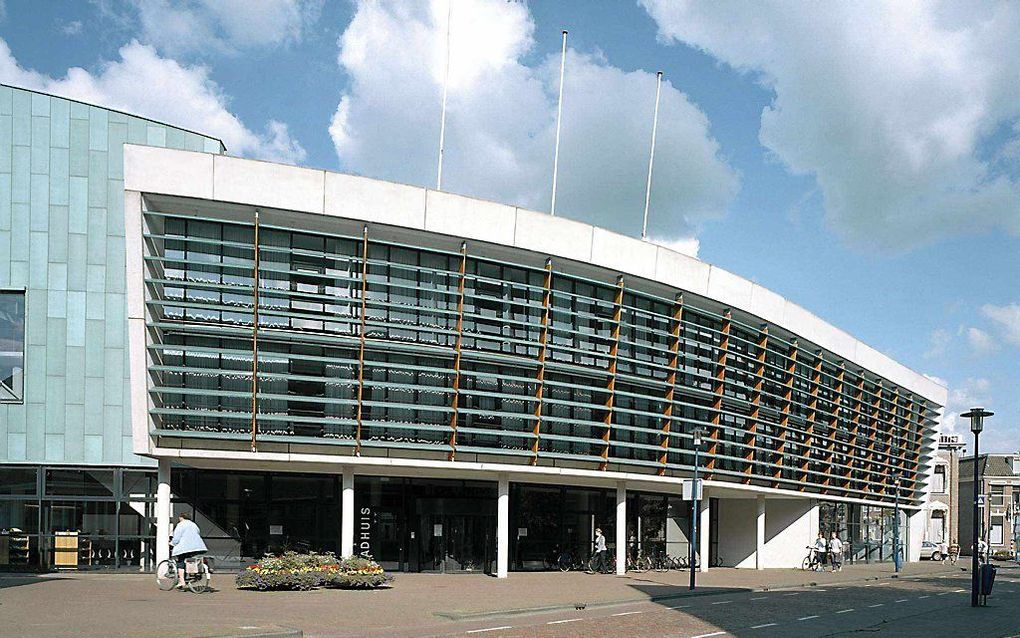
(71, 518)
(547, 521)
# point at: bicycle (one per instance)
(811, 561)
(197, 575)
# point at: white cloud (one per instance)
(501, 120)
(974, 392)
(895, 107)
(1006, 320)
(980, 341)
(223, 26)
(71, 28)
(938, 342)
(686, 245)
(141, 83)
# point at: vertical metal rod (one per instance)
(975, 565)
(651, 154)
(255, 342)
(693, 559)
(542, 349)
(454, 415)
(559, 116)
(361, 348)
(446, 84)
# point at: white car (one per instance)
(930, 550)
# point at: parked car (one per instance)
(930, 550)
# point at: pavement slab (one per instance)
(753, 603)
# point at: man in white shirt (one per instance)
(836, 553)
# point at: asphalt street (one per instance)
(924, 607)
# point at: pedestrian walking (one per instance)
(599, 564)
(821, 551)
(836, 552)
(954, 551)
(982, 551)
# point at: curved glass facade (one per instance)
(407, 351)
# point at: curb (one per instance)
(261, 632)
(520, 611)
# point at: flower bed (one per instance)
(293, 571)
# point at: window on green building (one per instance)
(12, 346)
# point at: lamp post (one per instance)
(977, 423)
(896, 524)
(698, 432)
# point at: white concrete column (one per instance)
(503, 527)
(759, 545)
(162, 510)
(347, 513)
(621, 528)
(916, 522)
(703, 532)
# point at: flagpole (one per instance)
(446, 82)
(559, 115)
(651, 154)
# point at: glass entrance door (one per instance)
(455, 535)
(457, 543)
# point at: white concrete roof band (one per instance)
(291, 188)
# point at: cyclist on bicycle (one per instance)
(187, 542)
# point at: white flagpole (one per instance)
(446, 82)
(651, 155)
(559, 115)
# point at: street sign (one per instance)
(981, 499)
(689, 490)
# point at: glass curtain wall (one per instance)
(548, 520)
(68, 518)
(866, 531)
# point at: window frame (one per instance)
(18, 394)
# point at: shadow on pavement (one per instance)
(21, 579)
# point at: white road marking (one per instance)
(944, 593)
(844, 611)
(760, 598)
(714, 633)
(679, 606)
(821, 590)
(869, 585)
(808, 618)
(923, 597)
(793, 594)
(768, 624)
(959, 591)
(901, 600)
(479, 631)
(627, 613)
(560, 622)
(875, 605)
(722, 602)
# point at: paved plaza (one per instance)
(925, 600)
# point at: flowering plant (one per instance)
(308, 571)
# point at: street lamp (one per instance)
(695, 493)
(977, 423)
(897, 560)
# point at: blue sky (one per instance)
(863, 163)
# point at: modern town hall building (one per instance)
(306, 359)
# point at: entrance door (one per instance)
(455, 535)
(456, 543)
